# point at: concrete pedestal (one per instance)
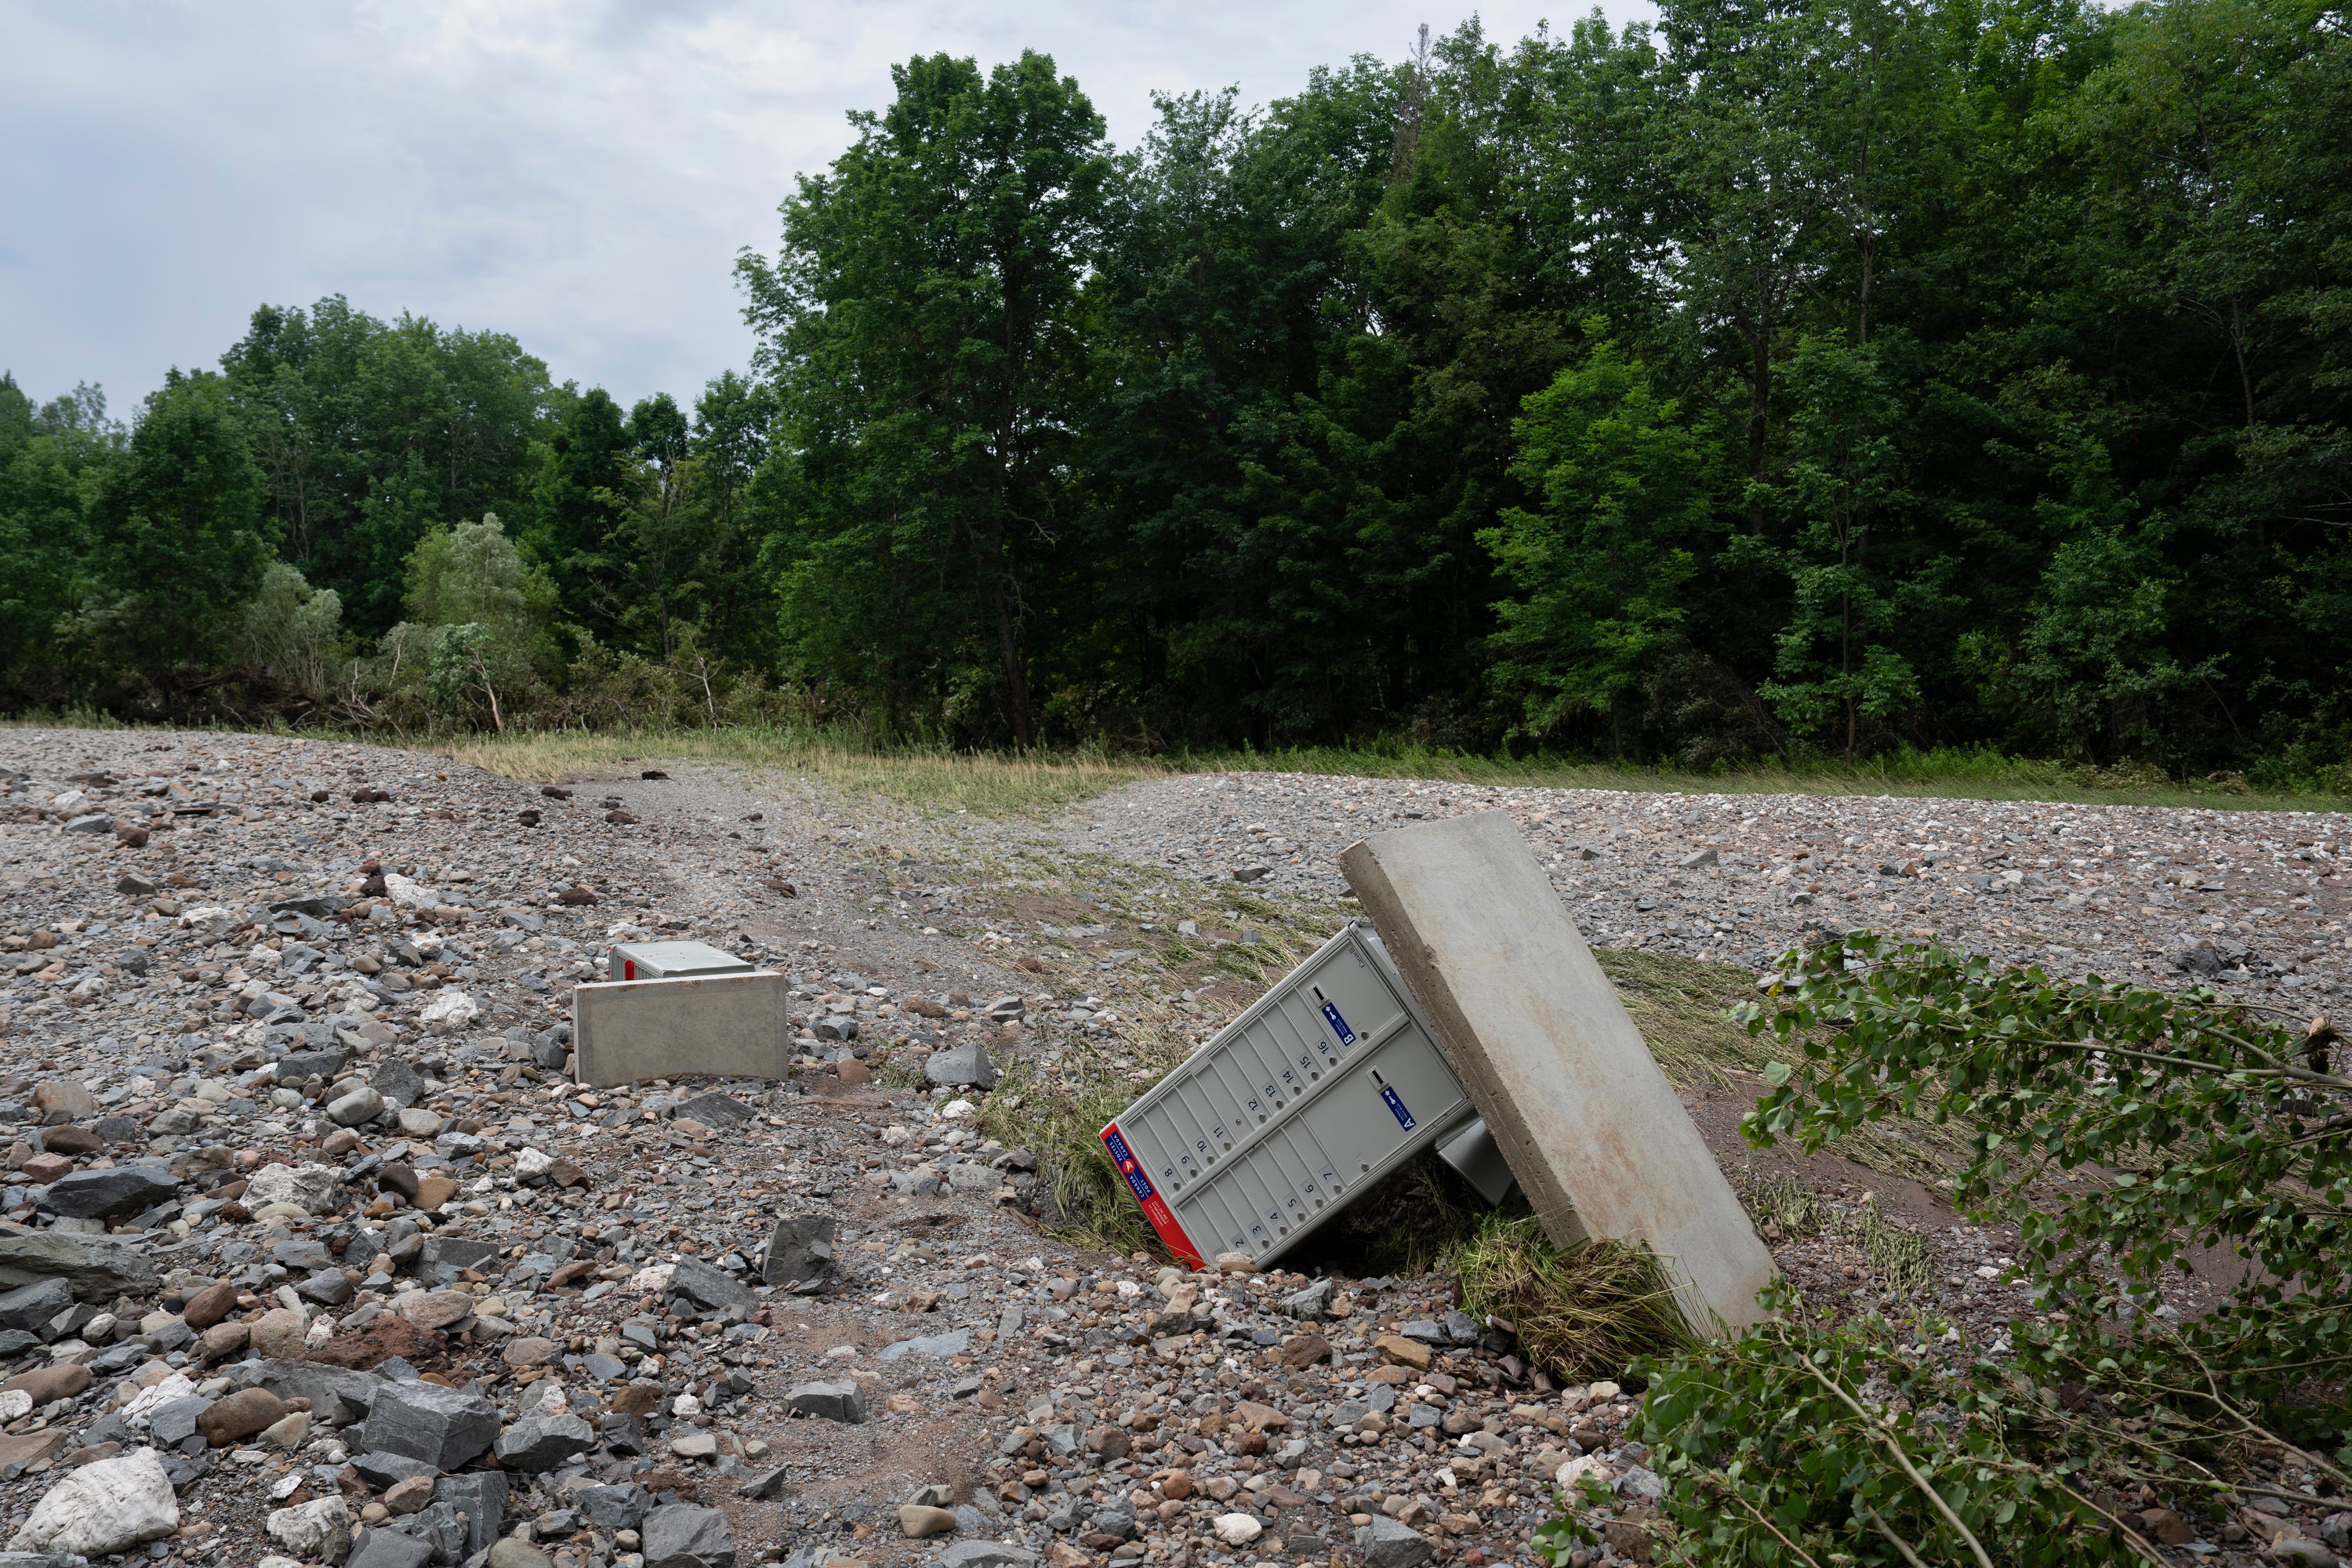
(731, 1026)
(1587, 1120)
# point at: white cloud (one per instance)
(579, 174)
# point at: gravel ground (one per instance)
(2121, 890)
(295, 1151)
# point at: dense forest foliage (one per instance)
(1814, 377)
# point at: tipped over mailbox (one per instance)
(1493, 1036)
(1326, 1084)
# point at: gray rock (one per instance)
(1462, 1328)
(301, 1254)
(2302, 1552)
(1312, 1303)
(800, 1251)
(680, 1535)
(398, 1082)
(539, 1442)
(1115, 1517)
(839, 1027)
(1388, 1544)
(457, 1251)
(767, 1484)
(443, 1426)
(296, 1068)
(715, 1108)
(961, 1066)
(108, 1195)
(387, 1549)
(381, 1470)
(338, 1394)
(437, 1526)
(550, 1053)
(617, 1507)
(827, 1401)
(481, 1496)
(710, 1287)
(96, 822)
(987, 1554)
(1427, 1331)
(118, 1129)
(954, 1343)
(174, 1423)
(30, 1306)
(97, 1267)
(357, 1105)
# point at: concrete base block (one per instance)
(731, 1026)
(1588, 1122)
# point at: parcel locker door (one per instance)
(1351, 1001)
(1413, 1082)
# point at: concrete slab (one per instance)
(729, 1025)
(1587, 1120)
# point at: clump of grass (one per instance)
(1059, 1109)
(1585, 1312)
(1897, 1254)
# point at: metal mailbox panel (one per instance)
(1320, 1087)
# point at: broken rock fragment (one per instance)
(443, 1426)
(961, 1066)
(800, 1251)
(109, 1194)
(679, 1534)
(538, 1443)
(840, 1401)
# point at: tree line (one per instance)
(1814, 377)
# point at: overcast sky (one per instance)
(579, 173)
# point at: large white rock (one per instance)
(1237, 1529)
(314, 1530)
(452, 1008)
(408, 893)
(311, 1188)
(155, 1396)
(105, 1508)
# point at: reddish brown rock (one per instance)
(240, 1414)
(72, 1141)
(46, 1167)
(44, 1384)
(386, 1337)
(209, 1306)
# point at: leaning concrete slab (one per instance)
(731, 1026)
(1587, 1120)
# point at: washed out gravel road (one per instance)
(291, 1140)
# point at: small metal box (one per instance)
(671, 961)
(1326, 1084)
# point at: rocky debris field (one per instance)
(312, 1251)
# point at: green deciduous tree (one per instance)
(922, 325)
(1631, 505)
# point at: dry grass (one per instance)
(1584, 1313)
(1678, 1004)
(986, 781)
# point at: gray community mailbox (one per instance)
(680, 1007)
(1578, 1106)
(671, 961)
(1323, 1086)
